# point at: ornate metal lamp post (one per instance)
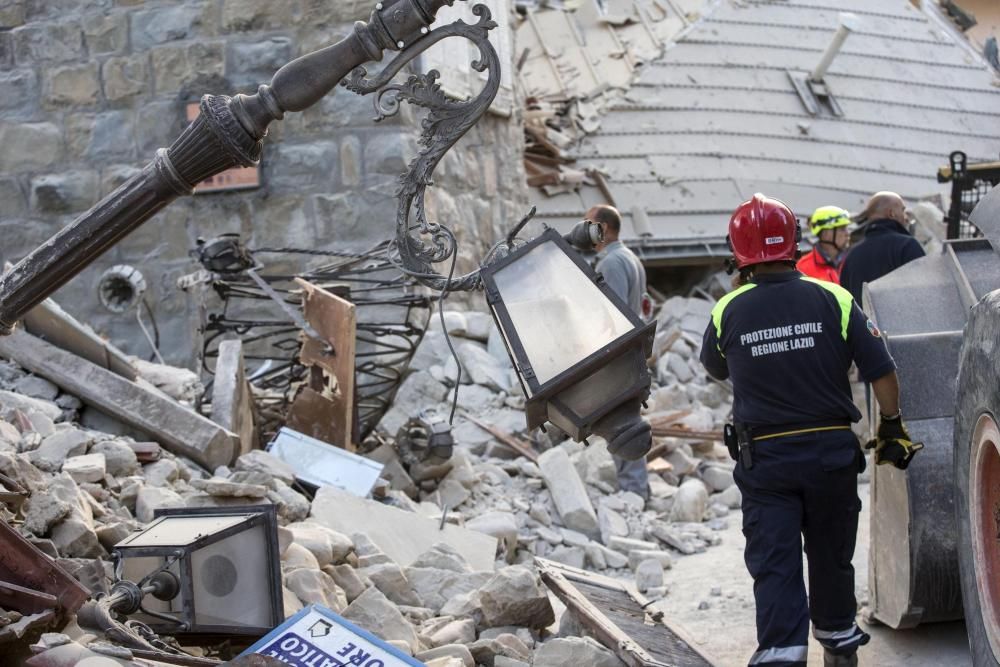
(227, 133)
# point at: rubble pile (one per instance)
(441, 563)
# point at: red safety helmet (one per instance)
(763, 230)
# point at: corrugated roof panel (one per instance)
(716, 117)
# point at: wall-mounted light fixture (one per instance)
(579, 350)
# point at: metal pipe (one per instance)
(227, 133)
(848, 23)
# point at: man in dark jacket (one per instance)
(886, 246)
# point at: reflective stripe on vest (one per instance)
(721, 306)
(844, 300)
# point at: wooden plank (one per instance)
(232, 400)
(334, 319)
(25, 600)
(22, 564)
(594, 600)
(518, 445)
(318, 417)
(181, 430)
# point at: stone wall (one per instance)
(93, 87)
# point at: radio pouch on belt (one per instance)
(729, 438)
(744, 442)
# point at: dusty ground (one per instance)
(726, 628)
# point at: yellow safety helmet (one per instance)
(828, 217)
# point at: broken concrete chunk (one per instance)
(225, 489)
(348, 580)
(442, 556)
(448, 651)
(9, 401)
(513, 597)
(36, 387)
(390, 579)
(612, 524)
(316, 587)
(297, 556)
(563, 651)
(328, 546)
(76, 538)
(501, 525)
(152, 498)
(161, 473)
(86, 468)
(402, 535)
(572, 556)
(731, 498)
(373, 612)
(568, 492)
(260, 461)
(718, 478)
(690, 502)
(627, 544)
(56, 448)
(119, 458)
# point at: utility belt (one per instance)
(740, 438)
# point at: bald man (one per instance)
(886, 246)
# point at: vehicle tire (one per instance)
(977, 479)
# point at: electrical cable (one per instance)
(447, 338)
(153, 344)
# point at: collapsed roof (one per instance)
(717, 117)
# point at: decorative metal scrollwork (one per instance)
(447, 121)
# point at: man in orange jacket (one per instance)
(829, 225)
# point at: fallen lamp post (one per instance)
(579, 351)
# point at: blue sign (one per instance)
(317, 637)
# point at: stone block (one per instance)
(718, 477)
(392, 581)
(403, 535)
(157, 124)
(66, 192)
(48, 42)
(303, 165)
(86, 468)
(119, 458)
(513, 597)
(13, 203)
(255, 62)
(637, 557)
(21, 91)
(125, 77)
(389, 153)
(563, 651)
(483, 368)
(246, 15)
(350, 161)
(59, 446)
(111, 137)
(12, 14)
(315, 587)
(626, 544)
(113, 177)
(72, 85)
(105, 33)
(501, 525)
(180, 68)
(29, 146)
(648, 574)
(690, 502)
(152, 498)
(168, 24)
(373, 612)
(568, 492)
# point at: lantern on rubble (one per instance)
(578, 349)
(204, 571)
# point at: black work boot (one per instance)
(834, 660)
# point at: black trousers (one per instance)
(802, 487)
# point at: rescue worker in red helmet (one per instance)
(779, 337)
(829, 225)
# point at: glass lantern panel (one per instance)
(177, 531)
(231, 581)
(559, 314)
(602, 386)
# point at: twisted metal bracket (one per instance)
(447, 121)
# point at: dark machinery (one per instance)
(935, 532)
